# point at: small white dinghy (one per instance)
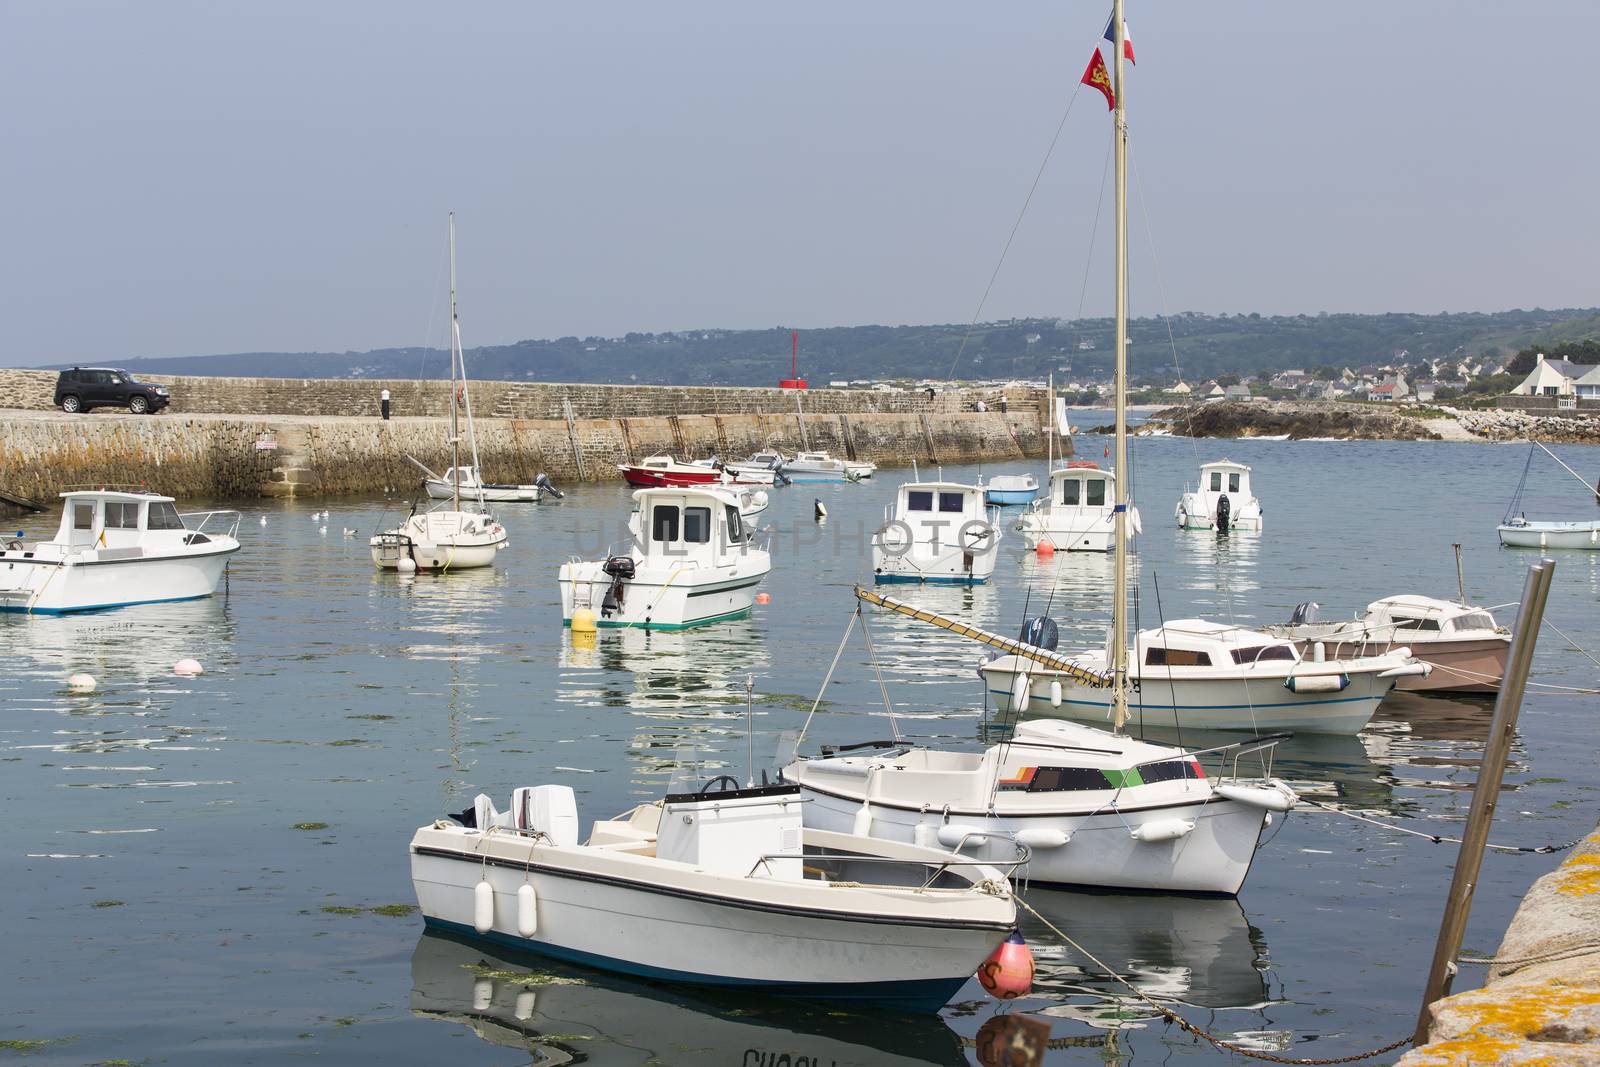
(716, 888)
(1223, 501)
(115, 548)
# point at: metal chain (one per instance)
(1219, 1042)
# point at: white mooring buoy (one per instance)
(81, 683)
(188, 667)
(406, 565)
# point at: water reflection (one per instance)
(558, 1014)
(1219, 572)
(133, 644)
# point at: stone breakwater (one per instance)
(1542, 1006)
(225, 456)
(1303, 419)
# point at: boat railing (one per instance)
(227, 521)
(940, 866)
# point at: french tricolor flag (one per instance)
(1127, 38)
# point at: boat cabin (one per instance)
(1082, 484)
(1225, 476)
(1201, 643)
(936, 510)
(113, 519)
(1425, 615)
(686, 525)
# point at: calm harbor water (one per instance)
(202, 869)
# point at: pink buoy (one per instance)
(188, 667)
(1008, 972)
(763, 598)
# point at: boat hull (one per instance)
(1545, 535)
(648, 478)
(921, 565)
(56, 587)
(671, 600)
(497, 494)
(440, 541)
(1069, 529)
(1008, 497)
(1213, 858)
(1471, 666)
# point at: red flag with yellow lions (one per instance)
(1095, 76)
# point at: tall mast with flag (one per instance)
(1119, 597)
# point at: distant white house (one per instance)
(1588, 386)
(1237, 392)
(1385, 392)
(1552, 377)
(1181, 389)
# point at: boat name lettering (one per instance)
(754, 1057)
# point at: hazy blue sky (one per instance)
(183, 179)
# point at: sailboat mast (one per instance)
(455, 350)
(1050, 432)
(1119, 598)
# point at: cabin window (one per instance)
(950, 502)
(919, 500)
(1233, 482)
(1069, 491)
(163, 516)
(1169, 771)
(1095, 490)
(1067, 779)
(1402, 622)
(1175, 657)
(697, 525)
(735, 523)
(664, 522)
(122, 515)
(1477, 620)
(83, 516)
(1258, 653)
(1216, 481)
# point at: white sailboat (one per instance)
(1094, 807)
(445, 539)
(1519, 531)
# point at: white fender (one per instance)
(483, 907)
(1036, 837)
(1272, 798)
(482, 994)
(1055, 693)
(525, 1003)
(950, 835)
(925, 835)
(527, 910)
(861, 826)
(1019, 692)
(1316, 683)
(1162, 830)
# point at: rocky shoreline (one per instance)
(1303, 420)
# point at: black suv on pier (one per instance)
(83, 388)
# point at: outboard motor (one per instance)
(1224, 510)
(621, 570)
(543, 482)
(780, 478)
(1305, 613)
(1041, 632)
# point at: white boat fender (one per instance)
(525, 1004)
(951, 836)
(1055, 693)
(527, 910)
(1258, 796)
(861, 826)
(1019, 693)
(483, 907)
(1319, 653)
(1316, 683)
(1037, 837)
(1162, 830)
(482, 994)
(406, 565)
(925, 835)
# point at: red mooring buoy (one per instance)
(1008, 972)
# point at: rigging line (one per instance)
(1172, 685)
(854, 615)
(1576, 647)
(1094, 233)
(1161, 288)
(1581, 480)
(1072, 99)
(877, 669)
(1516, 496)
(1439, 839)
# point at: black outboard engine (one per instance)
(1224, 510)
(543, 482)
(621, 570)
(780, 478)
(1305, 613)
(1041, 632)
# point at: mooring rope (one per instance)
(1439, 839)
(1219, 1042)
(1516, 963)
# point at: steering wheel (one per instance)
(733, 783)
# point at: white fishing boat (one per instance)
(822, 467)
(1008, 489)
(692, 562)
(1516, 530)
(1203, 675)
(1463, 644)
(116, 547)
(1093, 808)
(936, 532)
(466, 480)
(715, 888)
(741, 473)
(1077, 515)
(1222, 501)
(447, 538)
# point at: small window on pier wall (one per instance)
(1175, 657)
(664, 522)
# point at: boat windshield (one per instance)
(1258, 653)
(163, 516)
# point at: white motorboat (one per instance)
(692, 562)
(1516, 530)
(936, 532)
(1005, 489)
(822, 467)
(741, 473)
(466, 480)
(1463, 644)
(715, 888)
(116, 547)
(1093, 808)
(447, 538)
(1198, 674)
(1078, 513)
(752, 502)
(1222, 502)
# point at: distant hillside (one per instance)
(1206, 346)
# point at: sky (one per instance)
(199, 178)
